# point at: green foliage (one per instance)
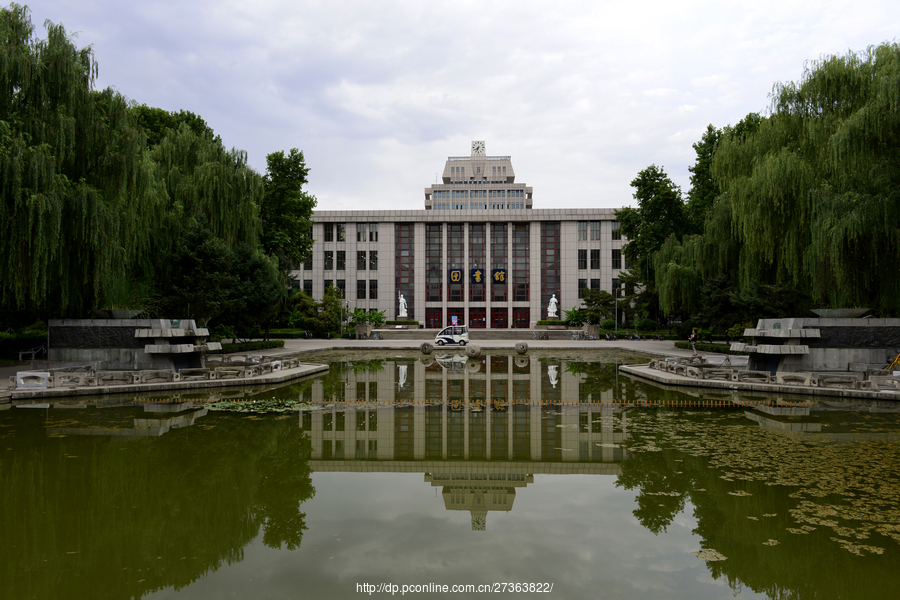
(361, 316)
(329, 317)
(100, 198)
(644, 324)
(574, 317)
(207, 280)
(722, 304)
(815, 189)
(608, 324)
(157, 122)
(809, 202)
(710, 347)
(303, 313)
(704, 190)
(259, 293)
(737, 330)
(222, 332)
(13, 343)
(599, 305)
(205, 183)
(198, 276)
(286, 210)
(249, 346)
(368, 366)
(659, 214)
(78, 198)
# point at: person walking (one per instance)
(693, 340)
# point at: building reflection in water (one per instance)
(78, 423)
(479, 428)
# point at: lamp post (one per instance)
(616, 290)
(342, 312)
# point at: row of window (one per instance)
(361, 287)
(336, 421)
(479, 193)
(595, 259)
(478, 205)
(595, 285)
(462, 170)
(338, 232)
(341, 285)
(369, 231)
(594, 227)
(368, 450)
(361, 263)
(338, 452)
(368, 260)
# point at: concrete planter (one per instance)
(593, 330)
(363, 330)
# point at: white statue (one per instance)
(402, 376)
(551, 308)
(552, 374)
(402, 312)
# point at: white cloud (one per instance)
(583, 95)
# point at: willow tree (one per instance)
(77, 189)
(207, 189)
(815, 191)
(203, 182)
(682, 267)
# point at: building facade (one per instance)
(479, 253)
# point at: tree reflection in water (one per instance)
(113, 517)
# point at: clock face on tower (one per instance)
(478, 147)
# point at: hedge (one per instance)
(290, 334)
(706, 347)
(10, 346)
(248, 347)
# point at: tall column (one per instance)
(534, 267)
(466, 278)
(488, 263)
(445, 292)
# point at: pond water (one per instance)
(501, 470)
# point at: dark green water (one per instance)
(456, 472)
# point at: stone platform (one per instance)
(646, 371)
(300, 371)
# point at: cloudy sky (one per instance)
(377, 94)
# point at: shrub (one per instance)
(248, 346)
(737, 330)
(645, 324)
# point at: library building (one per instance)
(478, 253)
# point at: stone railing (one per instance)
(724, 368)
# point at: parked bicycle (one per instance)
(539, 336)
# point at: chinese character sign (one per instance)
(477, 275)
(499, 275)
(456, 275)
